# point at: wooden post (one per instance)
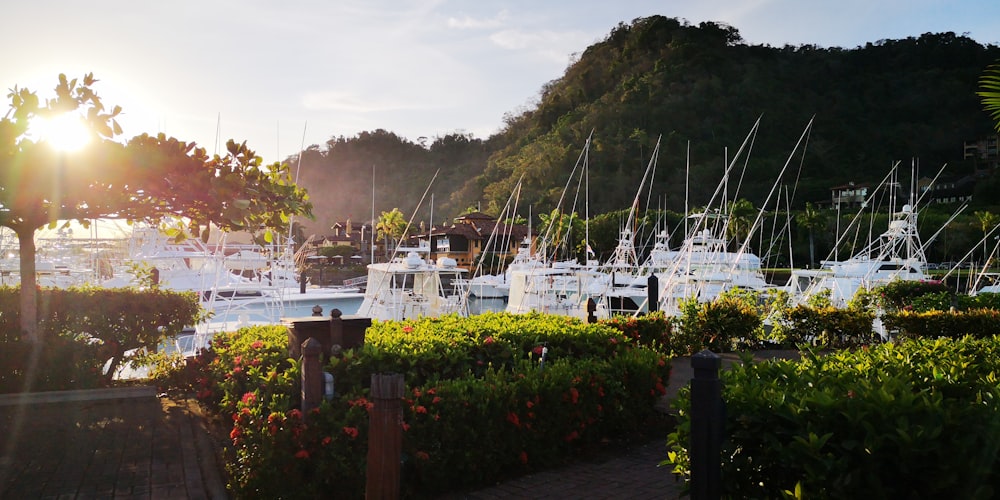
(336, 327)
(707, 424)
(312, 375)
(385, 437)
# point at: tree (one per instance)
(986, 220)
(742, 215)
(989, 84)
(391, 225)
(811, 219)
(148, 179)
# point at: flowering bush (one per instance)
(495, 406)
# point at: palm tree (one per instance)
(741, 217)
(987, 220)
(391, 225)
(989, 84)
(811, 219)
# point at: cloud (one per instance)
(468, 22)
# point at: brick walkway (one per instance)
(114, 443)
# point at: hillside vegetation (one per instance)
(701, 88)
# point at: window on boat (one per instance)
(890, 267)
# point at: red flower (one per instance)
(295, 413)
(235, 434)
(326, 441)
(537, 350)
(416, 393)
(573, 436)
(512, 418)
(529, 404)
(488, 340)
(436, 400)
(303, 454)
(422, 455)
(523, 457)
(249, 398)
(351, 432)
(420, 409)
(850, 394)
(431, 391)
(574, 395)
(407, 329)
(406, 426)
(257, 344)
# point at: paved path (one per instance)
(113, 443)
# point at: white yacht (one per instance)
(412, 287)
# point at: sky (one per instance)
(288, 74)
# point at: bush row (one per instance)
(915, 419)
(482, 401)
(81, 329)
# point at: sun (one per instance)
(65, 132)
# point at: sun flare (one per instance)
(64, 132)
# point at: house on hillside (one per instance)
(954, 189)
(357, 235)
(985, 153)
(846, 196)
(470, 236)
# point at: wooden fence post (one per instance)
(385, 437)
(312, 375)
(707, 425)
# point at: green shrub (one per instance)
(729, 322)
(493, 408)
(917, 419)
(978, 323)
(86, 333)
(828, 327)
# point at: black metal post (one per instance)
(653, 292)
(707, 426)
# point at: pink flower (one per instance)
(488, 340)
(257, 344)
(420, 409)
(249, 398)
(352, 432)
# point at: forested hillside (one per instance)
(700, 88)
